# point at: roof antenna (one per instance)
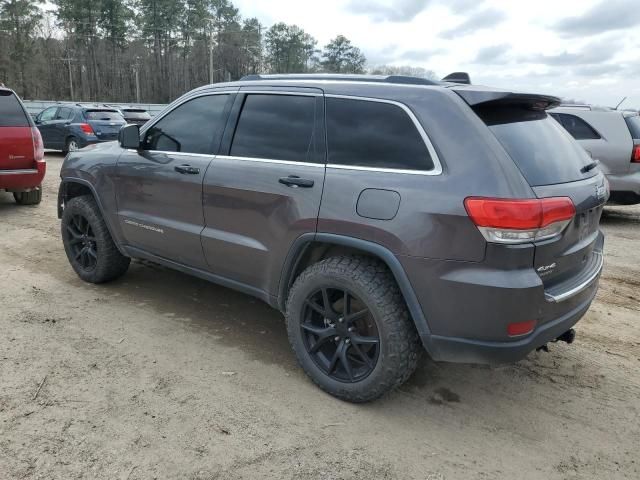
(621, 102)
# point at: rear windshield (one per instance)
(634, 126)
(11, 112)
(103, 115)
(136, 114)
(543, 151)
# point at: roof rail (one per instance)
(398, 79)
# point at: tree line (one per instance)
(152, 51)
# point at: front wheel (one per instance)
(350, 328)
(88, 244)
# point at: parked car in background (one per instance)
(22, 164)
(381, 215)
(69, 127)
(613, 138)
(132, 115)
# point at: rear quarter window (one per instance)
(542, 149)
(11, 112)
(577, 127)
(634, 126)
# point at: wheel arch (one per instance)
(304, 250)
(76, 187)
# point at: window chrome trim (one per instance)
(437, 165)
(271, 160)
(169, 152)
(281, 92)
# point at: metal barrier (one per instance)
(34, 107)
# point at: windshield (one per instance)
(110, 115)
(543, 151)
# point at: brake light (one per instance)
(519, 221)
(38, 146)
(86, 128)
(635, 156)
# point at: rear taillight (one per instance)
(86, 128)
(635, 155)
(520, 221)
(38, 146)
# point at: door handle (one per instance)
(294, 181)
(187, 169)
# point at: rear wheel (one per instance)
(350, 329)
(88, 244)
(71, 145)
(33, 197)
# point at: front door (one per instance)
(159, 187)
(46, 124)
(264, 190)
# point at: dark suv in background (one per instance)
(131, 114)
(381, 215)
(69, 127)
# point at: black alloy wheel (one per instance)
(82, 242)
(340, 334)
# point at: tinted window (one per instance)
(193, 127)
(276, 126)
(63, 113)
(11, 112)
(578, 128)
(634, 126)
(109, 115)
(543, 151)
(48, 114)
(374, 134)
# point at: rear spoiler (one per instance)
(458, 77)
(485, 96)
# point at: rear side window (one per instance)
(577, 127)
(374, 134)
(109, 115)
(193, 127)
(276, 127)
(11, 112)
(64, 113)
(634, 126)
(543, 151)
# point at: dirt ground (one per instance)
(160, 375)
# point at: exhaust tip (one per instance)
(568, 337)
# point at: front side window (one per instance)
(374, 134)
(276, 127)
(192, 127)
(578, 128)
(48, 114)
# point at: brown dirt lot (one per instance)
(160, 375)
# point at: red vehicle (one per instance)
(22, 165)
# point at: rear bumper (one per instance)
(627, 182)
(23, 179)
(462, 350)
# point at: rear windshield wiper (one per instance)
(589, 167)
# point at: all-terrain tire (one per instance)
(372, 282)
(110, 263)
(34, 197)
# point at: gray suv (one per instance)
(613, 138)
(383, 216)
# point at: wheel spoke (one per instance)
(336, 356)
(92, 252)
(75, 241)
(316, 307)
(362, 355)
(357, 316)
(80, 253)
(73, 231)
(345, 361)
(360, 340)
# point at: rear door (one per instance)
(16, 142)
(159, 187)
(264, 189)
(555, 166)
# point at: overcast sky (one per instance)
(582, 49)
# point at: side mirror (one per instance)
(129, 137)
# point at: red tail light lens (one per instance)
(86, 128)
(635, 156)
(517, 221)
(38, 146)
(517, 329)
